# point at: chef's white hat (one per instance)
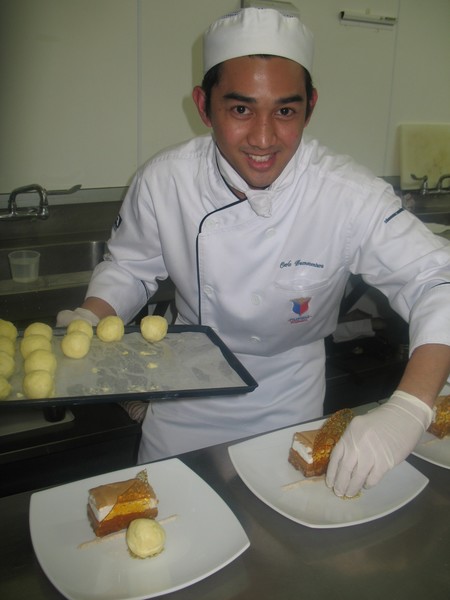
(257, 31)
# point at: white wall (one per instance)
(92, 88)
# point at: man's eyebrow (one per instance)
(291, 99)
(251, 100)
(239, 97)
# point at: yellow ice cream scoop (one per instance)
(145, 537)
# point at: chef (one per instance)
(259, 228)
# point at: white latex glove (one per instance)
(64, 317)
(375, 442)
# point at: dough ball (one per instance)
(40, 360)
(8, 329)
(154, 328)
(81, 325)
(145, 537)
(38, 384)
(34, 342)
(7, 345)
(5, 388)
(110, 329)
(75, 344)
(7, 365)
(39, 329)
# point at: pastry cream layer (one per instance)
(303, 444)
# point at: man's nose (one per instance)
(262, 133)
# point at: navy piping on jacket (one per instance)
(197, 257)
(397, 212)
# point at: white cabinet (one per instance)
(68, 104)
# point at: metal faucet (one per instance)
(32, 212)
(424, 180)
(440, 188)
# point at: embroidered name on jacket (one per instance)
(299, 263)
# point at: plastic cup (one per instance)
(24, 265)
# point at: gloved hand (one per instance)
(64, 317)
(374, 443)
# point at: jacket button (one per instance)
(255, 338)
(211, 224)
(256, 299)
(270, 232)
(208, 290)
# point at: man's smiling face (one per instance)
(258, 114)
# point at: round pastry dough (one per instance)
(5, 388)
(7, 345)
(75, 344)
(81, 325)
(33, 342)
(145, 537)
(40, 360)
(8, 329)
(39, 329)
(38, 384)
(154, 328)
(7, 365)
(110, 329)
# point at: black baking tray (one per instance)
(242, 383)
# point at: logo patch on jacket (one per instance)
(300, 307)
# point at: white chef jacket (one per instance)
(269, 286)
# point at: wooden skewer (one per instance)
(296, 484)
(105, 538)
(122, 533)
(167, 519)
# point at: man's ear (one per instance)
(199, 98)
(312, 104)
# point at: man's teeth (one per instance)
(261, 159)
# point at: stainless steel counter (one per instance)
(405, 555)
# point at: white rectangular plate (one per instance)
(262, 463)
(434, 450)
(431, 448)
(203, 538)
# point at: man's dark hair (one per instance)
(212, 78)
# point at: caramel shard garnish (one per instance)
(440, 426)
(328, 435)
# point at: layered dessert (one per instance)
(310, 450)
(440, 425)
(112, 507)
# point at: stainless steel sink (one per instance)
(65, 257)
(64, 273)
(432, 207)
